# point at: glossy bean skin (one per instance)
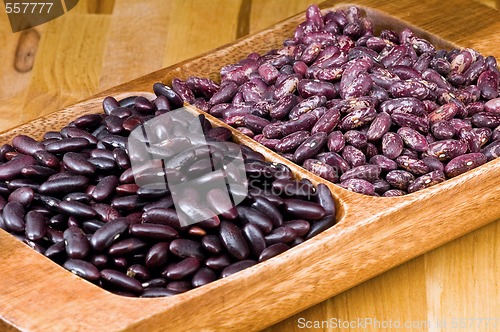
(310, 147)
(359, 186)
(82, 269)
(464, 163)
(392, 145)
(413, 139)
(236, 267)
(12, 168)
(426, 181)
(77, 244)
(185, 248)
(321, 169)
(13, 217)
(273, 250)
(109, 233)
(379, 126)
(36, 226)
(447, 149)
(121, 280)
(233, 240)
(296, 208)
(182, 269)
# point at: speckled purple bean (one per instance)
(464, 163)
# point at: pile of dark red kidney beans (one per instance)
(381, 115)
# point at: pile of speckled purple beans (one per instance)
(73, 197)
(381, 115)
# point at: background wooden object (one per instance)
(100, 44)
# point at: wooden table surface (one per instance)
(100, 44)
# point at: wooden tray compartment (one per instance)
(372, 235)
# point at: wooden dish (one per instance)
(372, 234)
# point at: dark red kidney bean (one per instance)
(106, 212)
(46, 159)
(212, 244)
(153, 231)
(412, 164)
(153, 292)
(301, 227)
(218, 263)
(36, 226)
(64, 145)
(54, 236)
(126, 247)
(433, 163)
(154, 283)
(77, 209)
(4, 149)
(492, 150)
(56, 252)
(157, 255)
(255, 238)
(273, 250)
(482, 119)
(182, 269)
(320, 226)
(37, 172)
(88, 121)
(78, 164)
(120, 280)
(91, 226)
(63, 185)
(359, 186)
(379, 126)
(23, 196)
(103, 164)
(282, 234)
(321, 169)
(292, 141)
(77, 244)
(335, 141)
(179, 286)
(203, 276)
(13, 217)
(358, 118)
(23, 183)
(12, 168)
(237, 267)
(399, 179)
(151, 193)
(105, 188)
(251, 215)
(464, 163)
(447, 149)
(163, 90)
(265, 207)
(74, 132)
(325, 199)
(233, 240)
(121, 158)
(138, 272)
(164, 216)
(109, 233)
(26, 145)
(126, 189)
(392, 145)
(291, 188)
(369, 173)
(185, 248)
(128, 203)
(82, 269)
(383, 162)
(426, 181)
(119, 263)
(297, 208)
(413, 139)
(109, 104)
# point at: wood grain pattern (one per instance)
(456, 280)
